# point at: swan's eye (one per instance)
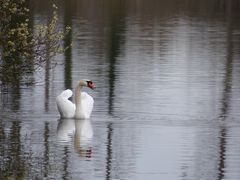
(89, 82)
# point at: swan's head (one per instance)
(87, 83)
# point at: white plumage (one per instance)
(84, 102)
(65, 107)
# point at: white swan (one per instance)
(65, 107)
(84, 102)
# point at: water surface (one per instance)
(167, 99)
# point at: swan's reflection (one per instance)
(83, 137)
(65, 129)
(81, 131)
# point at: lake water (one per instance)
(167, 102)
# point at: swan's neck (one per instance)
(78, 112)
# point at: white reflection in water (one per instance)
(83, 132)
(65, 129)
(80, 131)
(167, 103)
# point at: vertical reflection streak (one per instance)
(66, 163)
(226, 93)
(17, 168)
(117, 27)
(46, 150)
(67, 46)
(109, 152)
(67, 71)
(47, 76)
(222, 153)
(46, 104)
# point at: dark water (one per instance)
(167, 99)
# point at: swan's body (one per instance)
(84, 107)
(84, 102)
(65, 107)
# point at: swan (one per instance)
(65, 107)
(83, 106)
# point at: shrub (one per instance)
(24, 48)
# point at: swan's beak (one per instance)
(92, 86)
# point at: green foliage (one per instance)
(23, 48)
(48, 39)
(14, 27)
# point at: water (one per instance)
(166, 104)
